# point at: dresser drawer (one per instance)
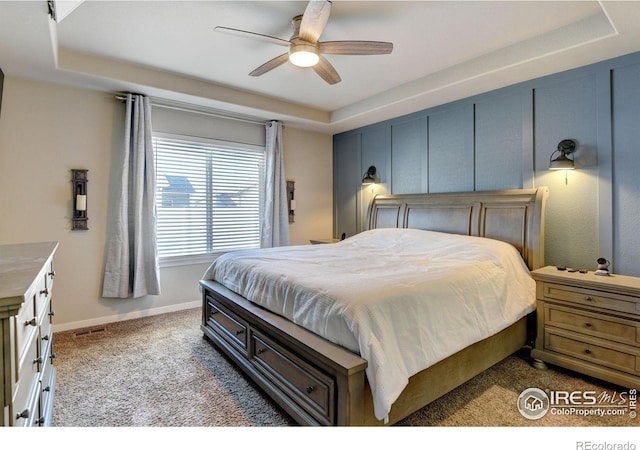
(26, 388)
(25, 326)
(618, 357)
(593, 324)
(296, 377)
(42, 295)
(232, 327)
(593, 298)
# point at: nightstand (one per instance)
(589, 323)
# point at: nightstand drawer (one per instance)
(593, 324)
(594, 298)
(618, 358)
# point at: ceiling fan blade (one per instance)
(270, 65)
(314, 20)
(327, 71)
(249, 34)
(355, 47)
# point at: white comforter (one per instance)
(403, 299)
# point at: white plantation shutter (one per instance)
(208, 195)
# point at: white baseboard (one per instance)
(57, 327)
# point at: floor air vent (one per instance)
(89, 331)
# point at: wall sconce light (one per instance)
(370, 176)
(564, 159)
(79, 192)
(291, 187)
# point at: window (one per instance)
(208, 196)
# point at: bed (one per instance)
(330, 358)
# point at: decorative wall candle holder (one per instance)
(79, 192)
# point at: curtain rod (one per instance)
(187, 108)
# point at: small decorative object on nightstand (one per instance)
(589, 323)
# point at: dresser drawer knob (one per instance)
(310, 389)
(47, 389)
(38, 360)
(45, 291)
(239, 332)
(587, 351)
(260, 351)
(588, 324)
(52, 273)
(31, 322)
(40, 421)
(52, 356)
(588, 298)
(45, 337)
(23, 415)
(52, 313)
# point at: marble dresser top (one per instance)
(19, 268)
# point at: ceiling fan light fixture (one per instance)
(303, 54)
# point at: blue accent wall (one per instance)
(504, 139)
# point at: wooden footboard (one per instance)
(320, 383)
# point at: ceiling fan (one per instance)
(305, 49)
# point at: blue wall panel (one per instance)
(626, 170)
(498, 142)
(347, 181)
(450, 150)
(409, 156)
(566, 109)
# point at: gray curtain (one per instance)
(131, 268)
(275, 221)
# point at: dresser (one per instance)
(589, 323)
(28, 375)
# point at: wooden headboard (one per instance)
(515, 216)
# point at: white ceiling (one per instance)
(443, 51)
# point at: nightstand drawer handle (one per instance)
(587, 351)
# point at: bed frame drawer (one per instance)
(297, 378)
(232, 327)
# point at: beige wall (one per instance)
(45, 131)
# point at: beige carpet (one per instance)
(160, 372)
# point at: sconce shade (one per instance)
(563, 160)
(370, 176)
